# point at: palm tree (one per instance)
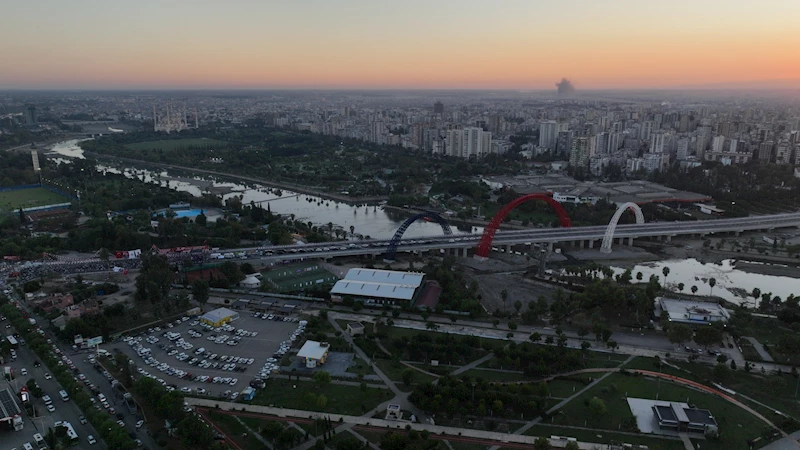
(680, 287)
(712, 282)
(504, 296)
(694, 289)
(352, 229)
(665, 271)
(756, 294)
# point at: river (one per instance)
(732, 284)
(371, 221)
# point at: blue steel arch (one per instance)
(399, 233)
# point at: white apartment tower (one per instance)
(548, 134)
(656, 143)
(468, 142)
(718, 144)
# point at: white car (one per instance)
(51, 408)
(91, 440)
(47, 376)
(139, 424)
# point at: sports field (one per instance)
(11, 201)
(172, 144)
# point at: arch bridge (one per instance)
(398, 235)
(608, 238)
(485, 244)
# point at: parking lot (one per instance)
(190, 360)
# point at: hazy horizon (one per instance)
(514, 45)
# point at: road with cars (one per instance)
(94, 381)
(60, 410)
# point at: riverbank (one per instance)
(274, 184)
(456, 221)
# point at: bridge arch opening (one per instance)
(608, 238)
(485, 244)
(398, 235)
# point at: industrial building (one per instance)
(219, 317)
(690, 312)
(314, 353)
(10, 413)
(374, 286)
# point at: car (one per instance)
(91, 440)
(51, 408)
(121, 423)
(47, 376)
(82, 419)
(139, 424)
(112, 411)
(23, 371)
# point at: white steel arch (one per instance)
(612, 225)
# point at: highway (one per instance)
(592, 234)
(532, 236)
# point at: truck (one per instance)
(32, 321)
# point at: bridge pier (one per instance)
(630, 241)
(508, 249)
(591, 243)
(550, 247)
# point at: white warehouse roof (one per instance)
(385, 277)
(218, 314)
(380, 290)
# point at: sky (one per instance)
(369, 44)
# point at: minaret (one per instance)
(196, 120)
(155, 119)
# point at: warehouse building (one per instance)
(219, 317)
(373, 286)
(690, 312)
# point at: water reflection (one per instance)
(732, 284)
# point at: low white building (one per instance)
(250, 282)
(690, 312)
(314, 353)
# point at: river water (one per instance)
(732, 284)
(371, 221)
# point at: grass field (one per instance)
(12, 201)
(340, 399)
(736, 425)
(172, 144)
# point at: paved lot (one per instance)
(270, 335)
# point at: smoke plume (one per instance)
(565, 87)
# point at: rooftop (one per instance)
(692, 312)
(8, 404)
(218, 314)
(313, 350)
(385, 276)
(380, 290)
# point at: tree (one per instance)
(200, 292)
(708, 335)
(408, 376)
(679, 333)
(201, 219)
(597, 406)
(722, 373)
(535, 336)
(504, 296)
(322, 378)
(154, 280)
(542, 443)
(694, 289)
(665, 271)
(572, 445)
(711, 283)
(517, 305)
(680, 287)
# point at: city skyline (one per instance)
(416, 45)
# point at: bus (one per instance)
(12, 340)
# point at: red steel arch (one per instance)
(485, 245)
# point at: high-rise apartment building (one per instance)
(765, 151)
(579, 155)
(438, 108)
(564, 142)
(783, 153)
(718, 144)
(470, 141)
(646, 130)
(682, 151)
(656, 142)
(548, 134)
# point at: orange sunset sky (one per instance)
(399, 44)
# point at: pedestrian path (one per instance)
(762, 352)
(254, 433)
